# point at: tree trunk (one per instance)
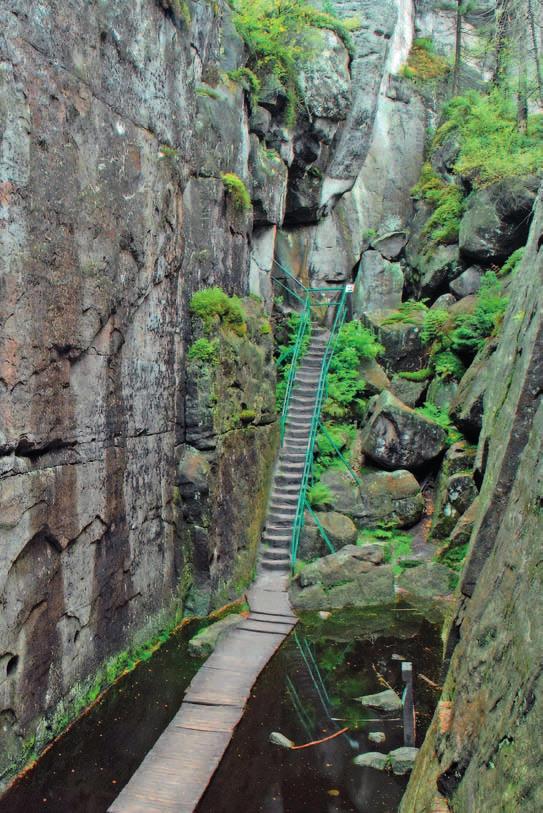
(531, 22)
(457, 49)
(503, 24)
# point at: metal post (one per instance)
(408, 705)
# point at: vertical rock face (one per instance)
(487, 756)
(112, 212)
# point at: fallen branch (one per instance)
(318, 742)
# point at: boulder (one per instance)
(454, 500)
(404, 348)
(372, 759)
(497, 219)
(444, 302)
(390, 245)
(339, 529)
(389, 497)
(438, 269)
(379, 284)
(260, 121)
(374, 375)
(342, 566)
(205, 641)
(427, 581)
(468, 282)
(383, 497)
(402, 760)
(461, 533)
(398, 437)
(387, 700)
(352, 577)
(410, 392)
(441, 392)
(467, 405)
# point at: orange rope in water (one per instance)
(318, 742)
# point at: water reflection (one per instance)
(307, 693)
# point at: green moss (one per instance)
(167, 152)
(416, 375)
(265, 328)
(207, 90)
(237, 191)
(204, 350)
(247, 415)
(248, 80)
(214, 306)
(442, 418)
(512, 264)
(443, 225)
(408, 313)
(423, 64)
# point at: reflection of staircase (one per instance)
(276, 554)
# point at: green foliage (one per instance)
(423, 64)
(326, 456)
(448, 365)
(416, 375)
(444, 223)
(204, 350)
(247, 415)
(319, 495)
(511, 265)
(168, 152)
(454, 557)
(265, 328)
(237, 190)
(248, 80)
(442, 418)
(354, 343)
(473, 328)
(278, 36)
(214, 306)
(491, 146)
(407, 313)
(397, 544)
(434, 321)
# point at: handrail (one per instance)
(337, 450)
(305, 322)
(290, 274)
(317, 408)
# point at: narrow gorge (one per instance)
(272, 309)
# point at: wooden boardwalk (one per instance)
(176, 772)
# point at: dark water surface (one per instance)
(88, 766)
(354, 653)
(314, 678)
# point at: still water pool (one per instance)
(307, 692)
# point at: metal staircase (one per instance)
(300, 420)
(287, 482)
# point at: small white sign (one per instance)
(349, 288)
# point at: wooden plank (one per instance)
(176, 772)
(208, 718)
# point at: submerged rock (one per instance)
(401, 760)
(377, 737)
(372, 759)
(276, 738)
(205, 641)
(382, 701)
(398, 437)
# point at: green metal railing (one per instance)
(304, 329)
(339, 318)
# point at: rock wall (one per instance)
(483, 750)
(112, 213)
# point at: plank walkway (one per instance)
(176, 772)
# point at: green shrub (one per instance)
(265, 328)
(248, 80)
(454, 557)
(345, 385)
(434, 321)
(326, 456)
(511, 265)
(213, 305)
(204, 350)
(442, 418)
(491, 145)
(237, 190)
(319, 495)
(448, 365)
(472, 329)
(278, 36)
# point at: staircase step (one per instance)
(277, 553)
(272, 565)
